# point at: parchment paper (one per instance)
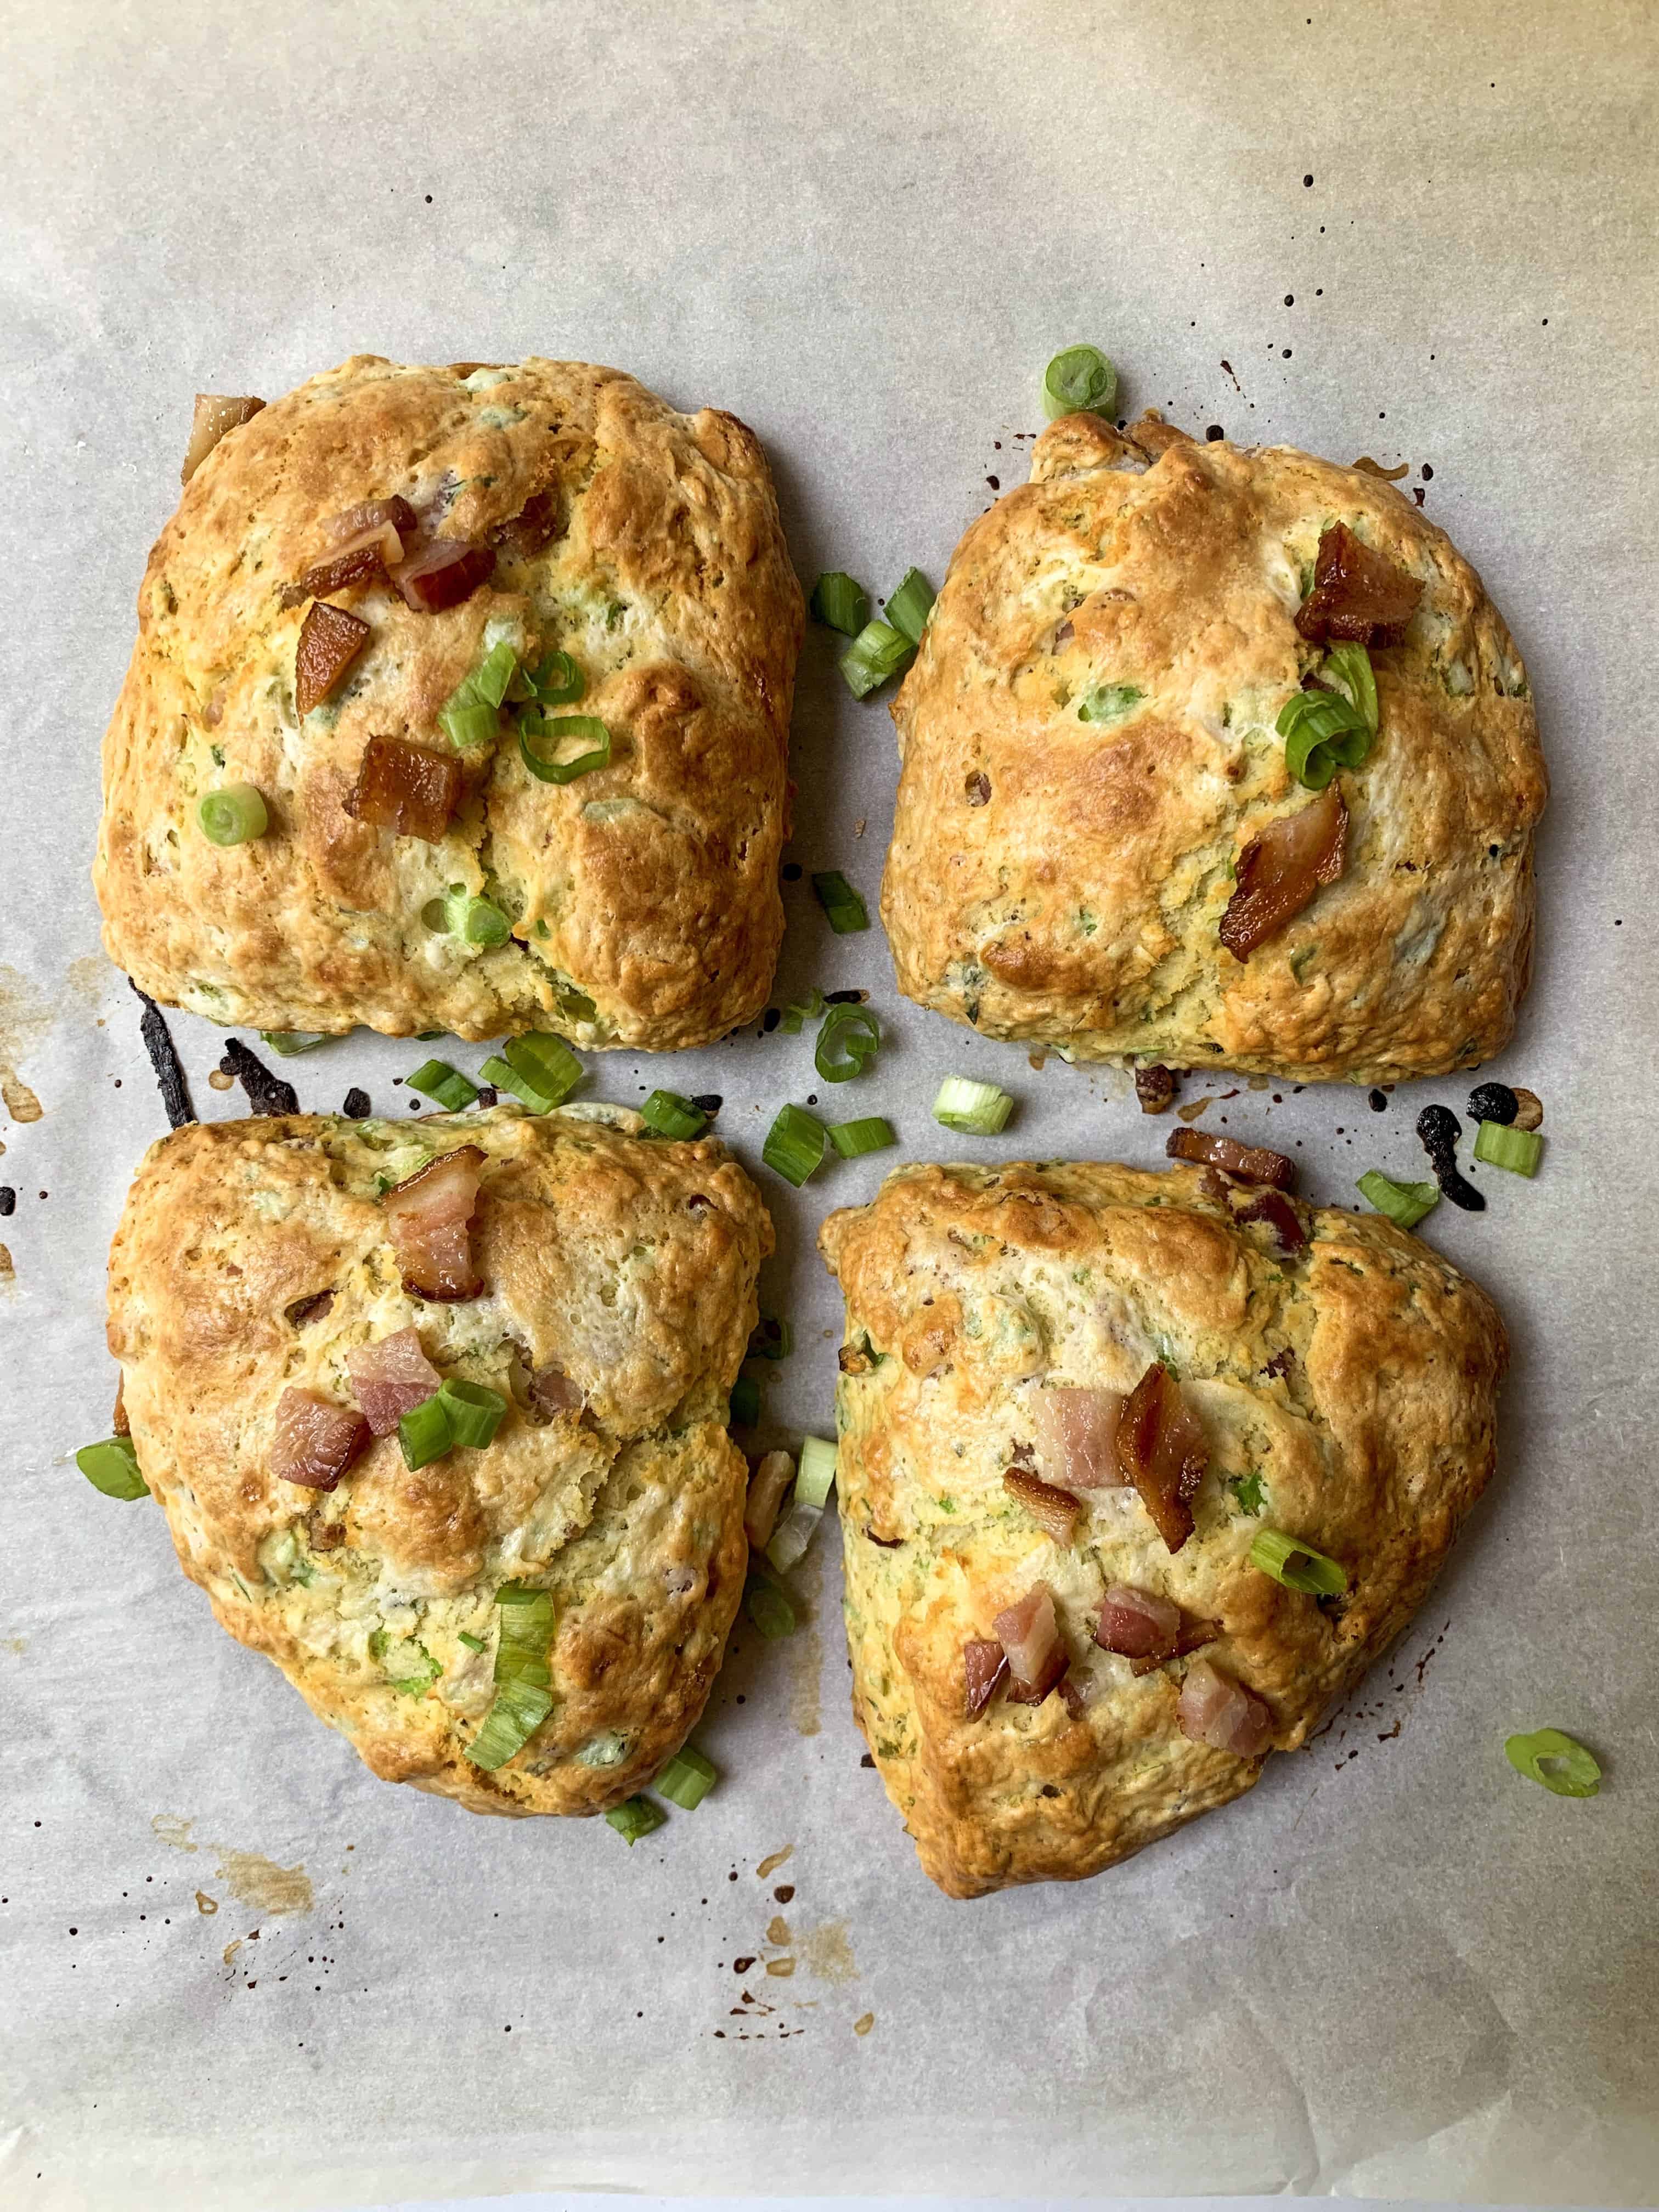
(238, 1970)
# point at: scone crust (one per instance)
(1063, 881)
(643, 896)
(1357, 1381)
(629, 1262)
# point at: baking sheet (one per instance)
(238, 1969)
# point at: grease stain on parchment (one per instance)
(252, 1879)
(770, 1864)
(89, 977)
(863, 2025)
(806, 1650)
(8, 1270)
(828, 1952)
(25, 1019)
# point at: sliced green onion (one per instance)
(743, 1410)
(1405, 1203)
(474, 1410)
(473, 1642)
(473, 722)
(543, 742)
(557, 680)
(1322, 734)
(847, 1042)
(769, 1607)
(1298, 1566)
(1558, 1761)
(794, 1143)
(1110, 702)
(687, 1779)
(495, 1071)
(1078, 380)
(635, 1818)
(793, 1534)
(476, 920)
(409, 1652)
(233, 815)
(544, 1062)
(423, 1432)
(289, 1042)
(845, 908)
(1350, 665)
(492, 679)
(841, 601)
(877, 651)
(872, 1134)
(908, 608)
(816, 1474)
(436, 1079)
(518, 1710)
(771, 1338)
(1248, 1490)
(670, 1115)
(112, 1467)
(979, 1109)
(1517, 1149)
(523, 1699)
(801, 1011)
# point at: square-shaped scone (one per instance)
(1137, 1473)
(437, 1414)
(460, 701)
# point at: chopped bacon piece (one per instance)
(409, 789)
(1161, 1449)
(529, 530)
(390, 1378)
(316, 1440)
(552, 1390)
(1279, 1215)
(1056, 1510)
(361, 564)
(214, 415)
(330, 641)
(428, 1215)
(1215, 1710)
(1030, 1633)
(1155, 1089)
(443, 573)
(1284, 869)
(1071, 1690)
(1360, 597)
(1251, 1163)
(1136, 1624)
(370, 516)
(986, 1663)
(1191, 1636)
(766, 1487)
(1078, 1428)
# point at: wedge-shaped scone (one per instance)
(1105, 842)
(598, 1283)
(341, 568)
(1341, 1392)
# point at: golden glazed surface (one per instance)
(1357, 1382)
(1064, 880)
(643, 896)
(628, 1261)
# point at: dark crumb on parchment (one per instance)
(866, 1761)
(1377, 1101)
(164, 1058)
(770, 1021)
(266, 1093)
(1214, 432)
(356, 1106)
(792, 871)
(8, 1199)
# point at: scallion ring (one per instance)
(423, 1432)
(474, 1410)
(1500, 1146)
(436, 1079)
(460, 912)
(816, 1474)
(666, 1114)
(908, 607)
(1405, 1203)
(874, 1133)
(769, 1607)
(841, 602)
(794, 1143)
(544, 741)
(233, 815)
(1322, 732)
(799, 1012)
(1297, 1565)
(795, 1533)
(687, 1779)
(1078, 380)
(497, 1071)
(112, 1467)
(546, 1063)
(523, 1699)
(877, 651)
(847, 1042)
(978, 1110)
(843, 906)
(473, 722)
(637, 1817)
(557, 680)
(1556, 1761)
(289, 1042)
(1350, 665)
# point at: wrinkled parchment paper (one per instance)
(238, 1970)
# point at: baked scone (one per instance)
(272, 1293)
(1088, 849)
(342, 563)
(1017, 1341)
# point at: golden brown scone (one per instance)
(1348, 1392)
(626, 1263)
(1064, 880)
(645, 544)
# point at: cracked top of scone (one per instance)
(573, 513)
(256, 1263)
(1093, 773)
(1343, 1394)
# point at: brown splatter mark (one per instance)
(1259, 1081)
(204, 1904)
(230, 1951)
(781, 1968)
(777, 1929)
(1037, 1059)
(806, 1650)
(784, 1892)
(89, 977)
(173, 1829)
(858, 827)
(262, 1883)
(218, 1081)
(771, 1865)
(20, 1102)
(1191, 1111)
(863, 2025)
(829, 1954)
(8, 1269)
(25, 1019)
(741, 1966)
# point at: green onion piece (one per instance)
(436, 1079)
(877, 651)
(546, 1063)
(475, 1412)
(460, 913)
(544, 742)
(472, 723)
(112, 1467)
(771, 1338)
(1078, 380)
(743, 1409)
(670, 1115)
(847, 1043)
(233, 815)
(1517, 1149)
(289, 1042)
(637, 1817)
(492, 679)
(687, 1779)
(1405, 1203)
(817, 1472)
(908, 608)
(557, 680)
(1110, 702)
(1559, 1761)
(523, 1699)
(793, 1534)
(801, 1011)
(872, 1134)
(794, 1143)
(767, 1607)
(846, 910)
(841, 601)
(1350, 665)
(496, 1071)
(423, 1432)
(1248, 1490)
(1298, 1566)
(473, 1642)
(518, 1710)
(1322, 734)
(979, 1109)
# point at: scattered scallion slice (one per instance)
(769, 1607)
(1405, 1203)
(112, 1467)
(545, 741)
(1559, 1761)
(518, 1710)
(557, 680)
(436, 1079)
(794, 1143)
(1297, 1565)
(473, 722)
(799, 1012)
(1322, 734)
(544, 1064)
(634, 1818)
(1518, 1150)
(687, 1779)
(523, 1699)
(847, 1042)
(473, 1642)
(839, 600)
(1350, 665)
(460, 912)
(771, 1338)
(877, 651)
(231, 815)
(909, 606)
(492, 678)
(793, 1533)
(852, 1139)
(816, 1474)
(978, 1109)
(1079, 379)
(474, 1410)
(842, 905)
(667, 1114)
(289, 1042)
(423, 1432)
(1110, 702)
(742, 1409)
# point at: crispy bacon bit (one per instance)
(530, 529)
(1028, 1632)
(1161, 1449)
(443, 573)
(1136, 1624)
(1077, 1429)
(1279, 1215)
(316, 1440)
(390, 1378)
(1155, 1089)
(766, 1487)
(121, 1425)
(1215, 1710)
(1284, 870)
(214, 415)
(986, 1663)
(362, 564)
(308, 1310)
(409, 789)
(1359, 595)
(1056, 1510)
(428, 1217)
(553, 1391)
(1250, 1163)
(1072, 1691)
(358, 523)
(330, 641)
(1280, 1364)
(1191, 1636)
